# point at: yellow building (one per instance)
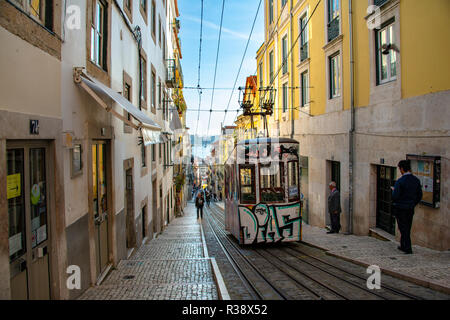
(355, 121)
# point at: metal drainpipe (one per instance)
(138, 37)
(351, 154)
(292, 71)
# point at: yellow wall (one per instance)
(425, 46)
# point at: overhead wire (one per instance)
(287, 56)
(199, 65)
(243, 57)
(292, 47)
(266, 45)
(215, 69)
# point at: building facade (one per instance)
(86, 140)
(353, 87)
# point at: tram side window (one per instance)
(271, 182)
(247, 183)
(227, 181)
(293, 181)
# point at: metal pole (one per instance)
(351, 154)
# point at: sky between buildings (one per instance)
(237, 23)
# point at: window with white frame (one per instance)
(385, 55)
(270, 11)
(284, 54)
(260, 75)
(333, 9)
(271, 65)
(335, 75)
(98, 34)
(285, 97)
(303, 38)
(304, 88)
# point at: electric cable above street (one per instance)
(215, 69)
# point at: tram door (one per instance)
(385, 180)
(28, 210)
(100, 207)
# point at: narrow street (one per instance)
(177, 266)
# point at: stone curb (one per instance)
(217, 275)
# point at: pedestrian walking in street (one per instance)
(334, 208)
(406, 194)
(208, 198)
(199, 201)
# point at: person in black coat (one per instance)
(199, 202)
(334, 208)
(406, 194)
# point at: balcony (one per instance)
(174, 76)
(333, 28)
(304, 52)
(171, 73)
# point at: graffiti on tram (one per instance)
(264, 223)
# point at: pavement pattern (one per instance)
(169, 267)
(426, 267)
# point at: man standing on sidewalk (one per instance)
(334, 208)
(406, 194)
(199, 201)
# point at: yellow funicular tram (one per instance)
(262, 194)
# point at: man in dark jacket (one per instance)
(199, 202)
(334, 208)
(406, 194)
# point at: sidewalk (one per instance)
(426, 267)
(174, 266)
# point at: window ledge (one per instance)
(304, 63)
(333, 42)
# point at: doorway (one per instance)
(29, 228)
(100, 205)
(385, 180)
(129, 202)
(154, 208)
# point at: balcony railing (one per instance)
(333, 29)
(171, 73)
(379, 3)
(304, 52)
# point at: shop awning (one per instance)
(175, 124)
(150, 136)
(102, 94)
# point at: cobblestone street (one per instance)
(171, 267)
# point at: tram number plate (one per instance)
(246, 309)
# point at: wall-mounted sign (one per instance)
(76, 160)
(428, 170)
(13, 186)
(34, 126)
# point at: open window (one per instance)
(292, 175)
(247, 183)
(271, 179)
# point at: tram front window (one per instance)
(247, 183)
(271, 182)
(293, 180)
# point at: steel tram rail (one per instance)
(384, 286)
(315, 294)
(286, 250)
(262, 276)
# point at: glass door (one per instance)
(385, 180)
(28, 210)
(100, 205)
